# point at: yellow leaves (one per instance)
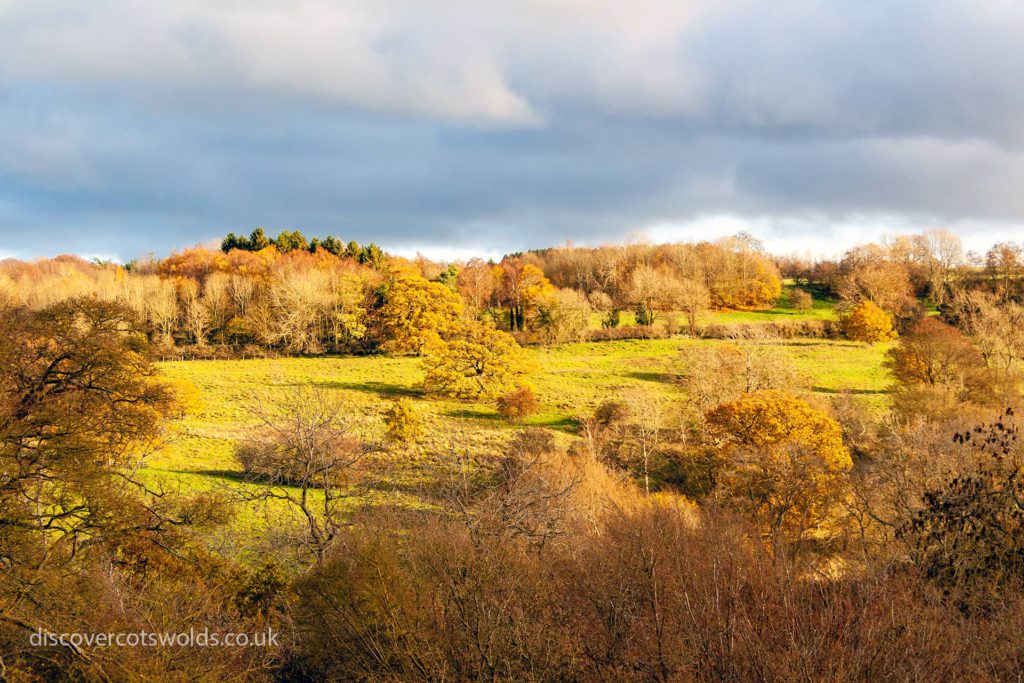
(478, 361)
(417, 312)
(537, 284)
(783, 460)
(770, 419)
(868, 323)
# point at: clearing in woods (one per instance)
(570, 380)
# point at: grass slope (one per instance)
(570, 380)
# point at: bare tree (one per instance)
(693, 299)
(647, 416)
(752, 361)
(307, 457)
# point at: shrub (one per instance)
(518, 404)
(801, 300)
(563, 316)
(868, 323)
(786, 329)
(627, 332)
(402, 423)
(262, 591)
(968, 533)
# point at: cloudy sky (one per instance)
(466, 126)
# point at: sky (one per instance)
(460, 127)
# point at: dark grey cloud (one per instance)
(128, 127)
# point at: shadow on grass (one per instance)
(808, 342)
(473, 413)
(828, 390)
(648, 375)
(564, 423)
(236, 476)
(372, 387)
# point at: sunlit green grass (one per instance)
(570, 380)
(822, 308)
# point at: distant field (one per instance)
(823, 308)
(570, 380)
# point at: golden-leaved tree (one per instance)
(416, 313)
(478, 361)
(867, 322)
(519, 289)
(785, 460)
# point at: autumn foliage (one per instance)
(402, 423)
(478, 361)
(518, 404)
(866, 322)
(417, 312)
(783, 459)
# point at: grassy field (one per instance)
(570, 381)
(823, 308)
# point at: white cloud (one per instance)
(354, 54)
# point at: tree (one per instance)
(646, 421)
(81, 407)
(647, 292)
(258, 240)
(935, 353)
(603, 304)
(693, 298)
(938, 370)
(197, 316)
(291, 241)
(305, 456)
(784, 459)
(996, 328)
(308, 307)
(867, 274)
(967, 532)
(232, 241)
(477, 361)
(866, 322)
(332, 245)
(1004, 266)
(476, 282)
(416, 313)
(217, 299)
(161, 307)
(520, 287)
(563, 315)
(714, 374)
(449, 277)
(371, 256)
(738, 274)
(939, 252)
